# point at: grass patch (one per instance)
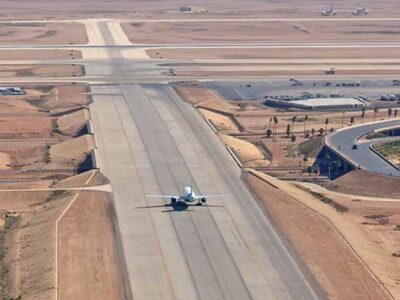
(40, 103)
(47, 153)
(24, 24)
(9, 220)
(290, 151)
(44, 88)
(311, 147)
(25, 72)
(47, 34)
(339, 207)
(58, 194)
(56, 127)
(390, 150)
(376, 135)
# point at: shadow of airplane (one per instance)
(177, 207)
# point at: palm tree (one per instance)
(293, 120)
(326, 123)
(390, 111)
(305, 159)
(275, 126)
(288, 130)
(376, 110)
(269, 124)
(395, 113)
(343, 119)
(305, 121)
(351, 121)
(363, 115)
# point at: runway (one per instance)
(150, 142)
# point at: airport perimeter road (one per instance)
(150, 142)
(343, 140)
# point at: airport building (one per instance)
(319, 103)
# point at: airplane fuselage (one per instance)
(188, 196)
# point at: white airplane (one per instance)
(328, 12)
(188, 196)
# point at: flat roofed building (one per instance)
(320, 103)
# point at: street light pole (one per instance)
(329, 168)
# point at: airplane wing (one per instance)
(162, 196)
(214, 196)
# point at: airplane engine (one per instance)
(204, 199)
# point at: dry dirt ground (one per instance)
(292, 70)
(248, 53)
(220, 122)
(39, 54)
(71, 153)
(201, 97)
(89, 178)
(30, 136)
(260, 32)
(40, 70)
(360, 182)
(70, 124)
(42, 33)
(28, 246)
(58, 9)
(29, 126)
(60, 98)
(249, 155)
(371, 225)
(90, 264)
(320, 245)
(88, 246)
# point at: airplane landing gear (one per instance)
(173, 201)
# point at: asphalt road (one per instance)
(151, 142)
(342, 142)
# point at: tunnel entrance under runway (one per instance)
(331, 165)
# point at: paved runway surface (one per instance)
(343, 141)
(151, 142)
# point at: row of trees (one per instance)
(272, 131)
(290, 128)
(390, 112)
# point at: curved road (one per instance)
(342, 142)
